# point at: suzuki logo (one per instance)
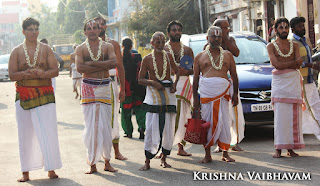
(263, 95)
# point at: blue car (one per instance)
(254, 73)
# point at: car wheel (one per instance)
(61, 66)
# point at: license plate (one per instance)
(261, 107)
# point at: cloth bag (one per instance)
(196, 131)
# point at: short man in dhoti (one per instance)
(76, 76)
(237, 124)
(311, 115)
(160, 100)
(94, 58)
(286, 91)
(32, 64)
(214, 63)
(184, 87)
(119, 96)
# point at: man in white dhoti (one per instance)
(32, 64)
(94, 58)
(119, 96)
(237, 118)
(311, 115)
(286, 90)
(160, 101)
(215, 92)
(184, 87)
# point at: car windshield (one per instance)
(252, 50)
(64, 50)
(4, 59)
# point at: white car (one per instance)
(4, 60)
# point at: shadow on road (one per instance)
(71, 126)
(59, 181)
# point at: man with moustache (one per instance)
(160, 101)
(238, 122)
(286, 91)
(215, 63)
(94, 58)
(119, 96)
(32, 64)
(184, 88)
(311, 115)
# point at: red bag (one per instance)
(196, 132)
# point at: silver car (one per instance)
(4, 60)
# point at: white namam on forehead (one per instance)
(91, 23)
(157, 35)
(284, 24)
(214, 30)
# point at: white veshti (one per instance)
(35, 56)
(90, 52)
(279, 51)
(172, 53)
(211, 58)
(165, 63)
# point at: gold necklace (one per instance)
(172, 53)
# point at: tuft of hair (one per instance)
(74, 46)
(44, 40)
(218, 22)
(156, 34)
(29, 21)
(175, 22)
(296, 20)
(280, 20)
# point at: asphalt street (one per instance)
(257, 157)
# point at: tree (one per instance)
(74, 17)
(155, 15)
(95, 8)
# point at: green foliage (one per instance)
(74, 17)
(155, 15)
(79, 36)
(95, 8)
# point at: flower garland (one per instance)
(35, 56)
(211, 58)
(172, 53)
(165, 63)
(279, 51)
(90, 52)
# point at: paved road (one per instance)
(257, 156)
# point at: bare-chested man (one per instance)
(117, 95)
(160, 101)
(94, 58)
(214, 63)
(237, 124)
(286, 91)
(184, 87)
(32, 64)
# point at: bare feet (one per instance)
(292, 153)
(158, 157)
(164, 164)
(146, 166)
(25, 177)
(52, 175)
(76, 95)
(226, 157)
(119, 156)
(181, 151)
(206, 159)
(237, 148)
(217, 150)
(108, 167)
(277, 154)
(93, 169)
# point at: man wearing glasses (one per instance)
(32, 65)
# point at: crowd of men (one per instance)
(169, 97)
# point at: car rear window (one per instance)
(64, 50)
